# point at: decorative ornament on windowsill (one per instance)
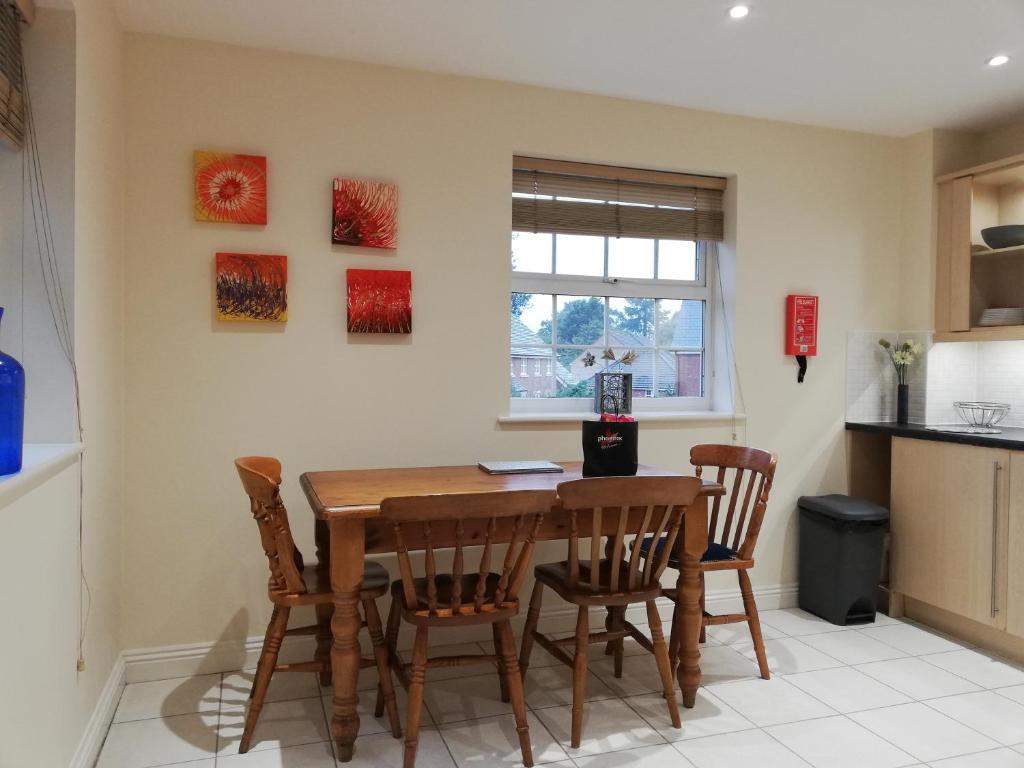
(902, 356)
(12, 412)
(612, 384)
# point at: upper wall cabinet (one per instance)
(971, 277)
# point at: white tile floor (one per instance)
(892, 694)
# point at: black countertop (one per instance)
(1009, 438)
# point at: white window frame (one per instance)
(699, 289)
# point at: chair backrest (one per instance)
(624, 507)
(261, 479)
(431, 522)
(741, 524)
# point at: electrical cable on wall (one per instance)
(34, 188)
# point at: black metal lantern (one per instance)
(613, 392)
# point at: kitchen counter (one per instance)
(1009, 438)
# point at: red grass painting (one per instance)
(251, 287)
(230, 188)
(365, 213)
(379, 301)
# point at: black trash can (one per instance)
(841, 540)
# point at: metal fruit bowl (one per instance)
(982, 414)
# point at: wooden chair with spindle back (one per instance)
(462, 597)
(732, 536)
(622, 508)
(292, 584)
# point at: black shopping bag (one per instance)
(609, 448)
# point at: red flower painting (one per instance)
(365, 213)
(379, 301)
(230, 188)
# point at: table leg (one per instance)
(688, 597)
(347, 542)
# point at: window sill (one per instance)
(41, 462)
(693, 417)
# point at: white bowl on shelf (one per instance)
(996, 316)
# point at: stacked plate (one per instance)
(1002, 316)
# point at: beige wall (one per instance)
(99, 323)
(38, 667)
(814, 210)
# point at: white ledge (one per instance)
(41, 461)
(693, 417)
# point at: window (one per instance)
(606, 263)
(522, 367)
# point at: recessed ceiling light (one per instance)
(739, 11)
(998, 61)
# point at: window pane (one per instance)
(579, 377)
(688, 378)
(531, 252)
(681, 323)
(677, 260)
(631, 257)
(642, 369)
(533, 372)
(667, 368)
(631, 322)
(579, 255)
(580, 320)
(531, 319)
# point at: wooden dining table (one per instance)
(348, 527)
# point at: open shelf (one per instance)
(991, 253)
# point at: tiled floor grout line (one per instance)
(627, 698)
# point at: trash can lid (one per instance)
(838, 506)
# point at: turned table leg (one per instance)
(688, 598)
(346, 581)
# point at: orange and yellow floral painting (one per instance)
(252, 287)
(230, 188)
(365, 213)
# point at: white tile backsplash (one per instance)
(948, 372)
(871, 379)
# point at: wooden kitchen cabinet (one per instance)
(950, 510)
(1015, 548)
(969, 276)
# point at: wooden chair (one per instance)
(621, 507)
(731, 539)
(292, 584)
(462, 598)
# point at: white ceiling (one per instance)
(883, 66)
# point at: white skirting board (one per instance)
(144, 664)
(96, 729)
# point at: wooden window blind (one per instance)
(586, 199)
(12, 105)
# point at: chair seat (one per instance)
(318, 586)
(715, 553)
(556, 576)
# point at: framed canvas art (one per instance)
(379, 301)
(230, 188)
(252, 287)
(365, 213)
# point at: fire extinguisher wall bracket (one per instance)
(801, 330)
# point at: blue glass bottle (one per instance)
(12, 412)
